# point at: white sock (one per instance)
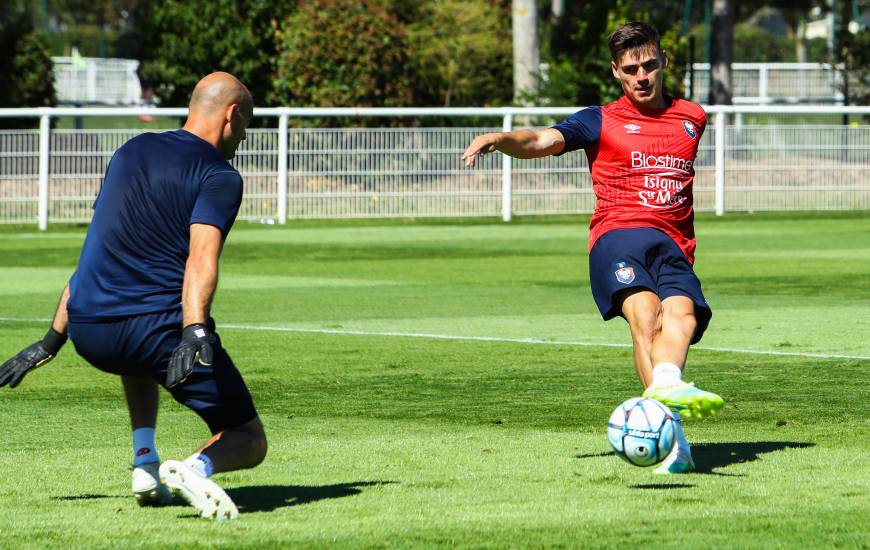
(201, 464)
(665, 374)
(144, 449)
(681, 440)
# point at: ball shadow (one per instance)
(712, 456)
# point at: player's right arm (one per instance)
(38, 353)
(200, 281)
(213, 215)
(523, 144)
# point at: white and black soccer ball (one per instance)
(642, 431)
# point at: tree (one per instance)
(576, 55)
(720, 62)
(527, 50)
(459, 55)
(342, 53)
(188, 39)
(26, 70)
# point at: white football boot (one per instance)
(147, 488)
(200, 492)
(679, 460)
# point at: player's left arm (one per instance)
(38, 353)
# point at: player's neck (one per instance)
(203, 132)
(657, 104)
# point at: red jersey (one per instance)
(642, 164)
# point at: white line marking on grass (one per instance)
(430, 336)
(533, 341)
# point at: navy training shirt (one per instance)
(136, 248)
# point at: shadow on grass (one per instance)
(662, 486)
(596, 455)
(710, 456)
(86, 496)
(265, 498)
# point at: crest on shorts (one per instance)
(690, 129)
(624, 273)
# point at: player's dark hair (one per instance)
(633, 36)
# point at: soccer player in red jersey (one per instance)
(641, 150)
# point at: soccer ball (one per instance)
(642, 431)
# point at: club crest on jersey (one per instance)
(624, 273)
(690, 129)
(632, 128)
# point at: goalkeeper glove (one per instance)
(31, 357)
(197, 345)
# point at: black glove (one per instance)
(33, 356)
(197, 345)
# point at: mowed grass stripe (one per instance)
(530, 341)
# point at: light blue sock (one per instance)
(144, 449)
(201, 464)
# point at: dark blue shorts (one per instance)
(643, 257)
(142, 345)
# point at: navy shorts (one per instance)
(142, 345)
(644, 257)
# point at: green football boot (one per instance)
(686, 399)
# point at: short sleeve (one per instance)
(581, 130)
(218, 201)
(702, 123)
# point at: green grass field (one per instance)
(448, 384)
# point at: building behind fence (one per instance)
(782, 163)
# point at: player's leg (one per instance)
(655, 331)
(142, 401)
(661, 331)
(684, 319)
(218, 394)
(229, 449)
(105, 346)
(642, 309)
(677, 327)
(236, 448)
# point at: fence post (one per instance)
(506, 184)
(721, 119)
(282, 168)
(762, 84)
(91, 69)
(44, 144)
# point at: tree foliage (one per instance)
(26, 77)
(339, 53)
(188, 39)
(755, 45)
(461, 53)
(577, 58)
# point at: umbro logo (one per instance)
(632, 129)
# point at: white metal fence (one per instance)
(766, 83)
(771, 160)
